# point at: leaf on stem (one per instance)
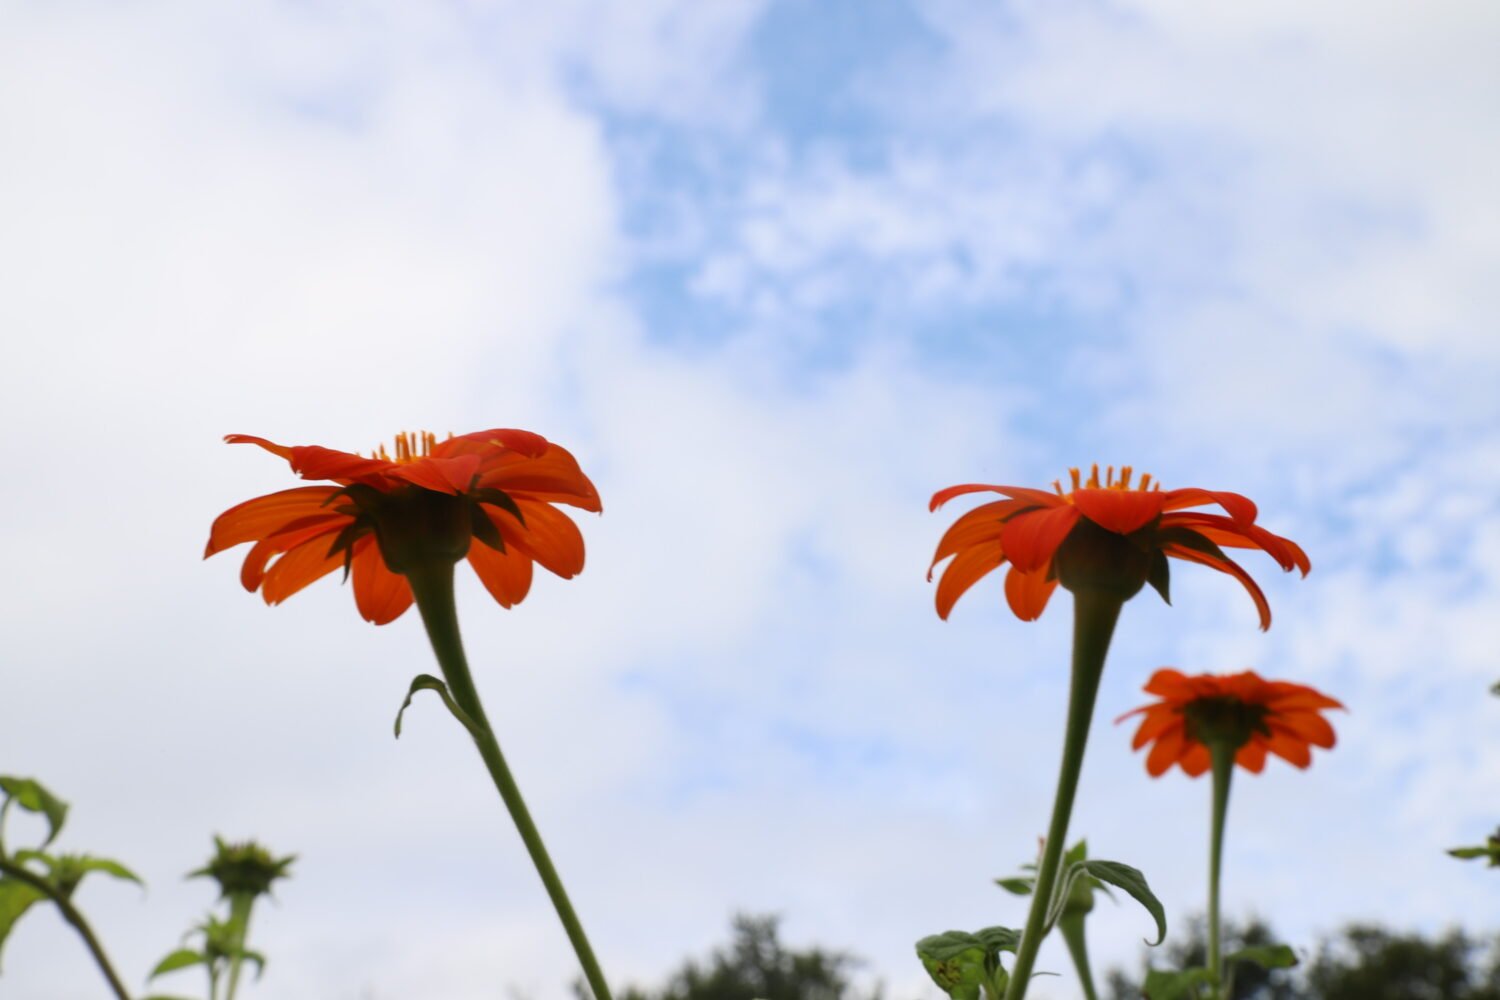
(15, 898)
(1116, 874)
(1163, 985)
(1268, 956)
(182, 958)
(427, 682)
(964, 964)
(29, 794)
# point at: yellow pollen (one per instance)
(409, 447)
(1110, 482)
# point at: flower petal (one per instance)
(1196, 760)
(1120, 511)
(265, 515)
(961, 574)
(298, 533)
(1233, 569)
(1289, 748)
(1308, 726)
(982, 525)
(1031, 537)
(1028, 593)
(1241, 508)
(549, 536)
(553, 476)
(441, 475)
(316, 462)
(380, 595)
(1171, 746)
(303, 565)
(506, 575)
(1154, 725)
(1252, 756)
(1225, 532)
(484, 442)
(280, 450)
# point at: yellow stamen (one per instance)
(1111, 482)
(409, 447)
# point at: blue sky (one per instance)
(774, 272)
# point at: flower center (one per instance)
(1109, 483)
(409, 447)
(1225, 719)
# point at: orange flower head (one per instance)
(1253, 715)
(433, 501)
(1113, 535)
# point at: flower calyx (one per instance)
(1223, 721)
(243, 869)
(416, 527)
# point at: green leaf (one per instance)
(964, 965)
(16, 898)
(427, 682)
(108, 867)
(31, 796)
(1268, 956)
(1469, 852)
(182, 958)
(1116, 874)
(1160, 575)
(1163, 985)
(1018, 886)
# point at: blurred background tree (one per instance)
(1360, 962)
(755, 965)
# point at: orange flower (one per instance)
(430, 501)
(1030, 526)
(1248, 712)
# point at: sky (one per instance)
(774, 272)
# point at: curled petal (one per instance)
(1028, 593)
(1031, 537)
(980, 526)
(265, 515)
(1166, 752)
(1226, 532)
(553, 476)
(962, 573)
(441, 475)
(1120, 511)
(253, 570)
(483, 442)
(316, 462)
(279, 450)
(506, 575)
(303, 565)
(549, 536)
(381, 596)
(1251, 756)
(1233, 569)
(1240, 508)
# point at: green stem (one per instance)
(72, 916)
(1094, 615)
(433, 589)
(240, 904)
(1223, 764)
(1078, 948)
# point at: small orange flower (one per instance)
(431, 500)
(1030, 526)
(1248, 712)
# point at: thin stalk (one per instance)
(1078, 948)
(1223, 765)
(239, 919)
(1095, 613)
(71, 915)
(433, 588)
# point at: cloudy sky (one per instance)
(774, 272)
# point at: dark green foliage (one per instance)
(1359, 963)
(1251, 982)
(1368, 963)
(756, 964)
